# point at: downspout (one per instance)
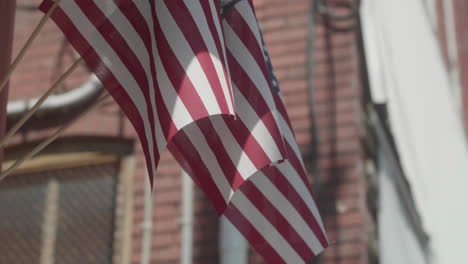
(314, 154)
(232, 245)
(147, 224)
(186, 220)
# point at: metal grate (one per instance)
(61, 216)
(21, 207)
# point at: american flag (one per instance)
(160, 60)
(274, 209)
(193, 76)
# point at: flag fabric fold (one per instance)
(194, 76)
(162, 76)
(274, 209)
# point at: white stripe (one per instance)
(248, 63)
(245, 10)
(290, 139)
(128, 32)
(186, 58)
(287, 210)
(217, 22)
(182, 119)
(256, 126)
(112, 62)
(197, 138)
(264, 227)
(145, 10)
(199, 17)
(179, 113)
(292, 175)
(242, 161)
(136, 44)
(295, 180)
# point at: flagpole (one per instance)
(26, 46)
(50, 139)
(39, 102)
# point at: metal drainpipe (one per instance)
(147, 224)
(232, 245)
(314, 154)
(187, 220)
(7, 17)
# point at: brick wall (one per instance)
(460, 20)
(342, 182)
(461, 27)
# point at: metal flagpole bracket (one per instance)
(39, 102)
(50, 139)
(26, 46)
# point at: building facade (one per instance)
(87, 197)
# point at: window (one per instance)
(59, 216)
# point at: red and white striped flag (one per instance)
(165, 71)
(274, 209)
(180, 70)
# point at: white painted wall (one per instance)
(400, 239)
(406, 69)
(397, 241)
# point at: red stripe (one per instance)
(248, 143)
(281, 182)
(215, 142)
(189, 159)
(212, 26)
(138, 21)
(93, 61)
(252, 94)
(245, 34)
(134, 16)
(270, 212)
(218, 41)
(178, 77)
(291, 154)
(296, 163)
(125, 53)
(192, 34)
(165, 118)
(282, 110)
(242, 223)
